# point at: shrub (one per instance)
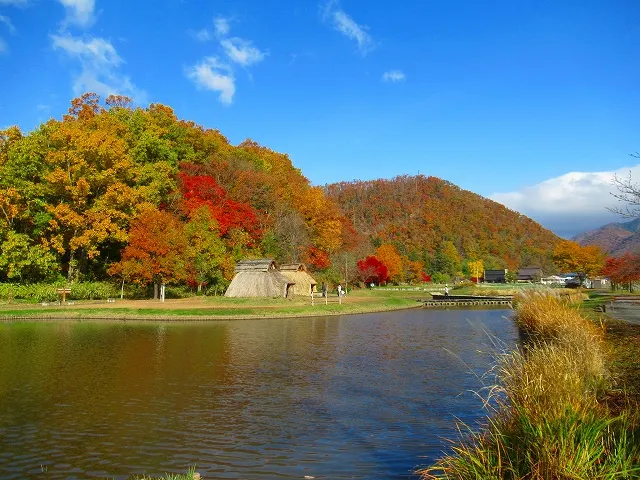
(45, 292)
(547, 421)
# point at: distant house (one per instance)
(297, 272)
(259, 278)
(600, 282)
(529, 274)
(495, 276)
(553, 280)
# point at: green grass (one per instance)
(222, 307)
(190, 475)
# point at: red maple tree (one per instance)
(373, 270)
(203, 190)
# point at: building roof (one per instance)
(293, 267)
(260, 265)
(529, 270)
(259, 284)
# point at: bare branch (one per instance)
(628, 193)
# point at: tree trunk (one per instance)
(72, 271)
(155, 291)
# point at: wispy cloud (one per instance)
(99, 63)
(393, 76)
(343, 23)
(203, 35)
(241, 51)
(211, 74)
(572, 203)
(79, 12)
(6, 21)
(221, 26)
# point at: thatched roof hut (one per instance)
(259, 278)
(297, 272)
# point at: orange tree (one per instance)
(156, 250)
(586, 261)
(391, 259)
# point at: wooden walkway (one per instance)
(466, 301)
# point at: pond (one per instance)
(363, 396)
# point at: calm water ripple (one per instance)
(371, 396)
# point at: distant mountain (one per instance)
(613, 238)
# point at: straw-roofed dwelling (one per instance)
(259, 278)
(297, 272)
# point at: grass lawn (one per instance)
(357, 301)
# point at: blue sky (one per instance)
(534, 104)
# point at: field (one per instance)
(202, 308)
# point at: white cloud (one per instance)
(7, 22)
(201, 35)
(241, 51)
(393, 76)
(96, 50)
(211, 74)
(342, 22)
(99, 67)
(221, 26)
(572, 203)
(79, 12)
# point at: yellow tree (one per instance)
(322, 219)
(476, 268)
(586, 261)
(391, 259)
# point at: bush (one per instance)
(46, 292)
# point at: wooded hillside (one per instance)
(420, 215)
(136, 194)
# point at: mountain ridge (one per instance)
(615, 238)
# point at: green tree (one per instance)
(205, 250)
(21, 260)
(447, 260)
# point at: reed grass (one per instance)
(190, 475)
(547, 419)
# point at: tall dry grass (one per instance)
(547, 421)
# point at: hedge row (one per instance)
(46, 292)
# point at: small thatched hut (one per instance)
(259, 278)
(297, 273)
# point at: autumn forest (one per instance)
(115, 192)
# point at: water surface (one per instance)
(369, 396)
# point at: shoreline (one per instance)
(178, 318)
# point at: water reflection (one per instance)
(369, 396)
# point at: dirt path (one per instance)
(627, 310)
